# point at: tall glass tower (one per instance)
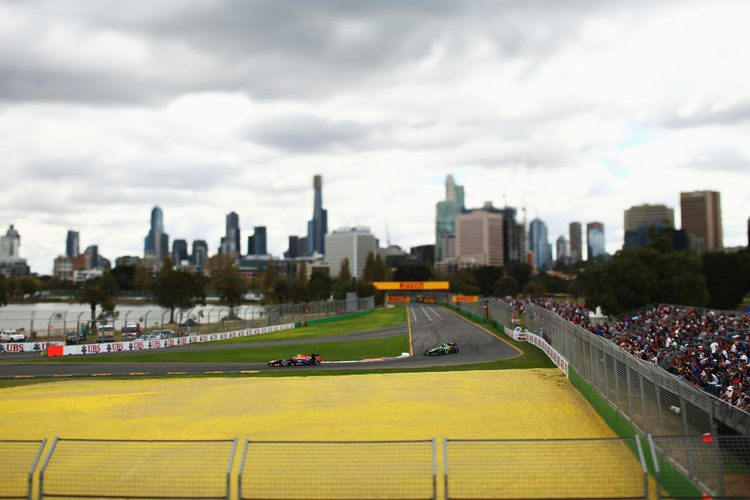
(72, 244)
(539, 244)
(445, 221)
(153, 243)
(317, 228)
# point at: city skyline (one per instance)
(108, 109)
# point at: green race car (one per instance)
(444, 348)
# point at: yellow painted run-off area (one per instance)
(506, 404)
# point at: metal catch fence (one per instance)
(338, 470)
(545, 469)
(688, 467)
(651, 399)
(19, 461)
(137, 469)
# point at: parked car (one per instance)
(12, 336)
(159, 335)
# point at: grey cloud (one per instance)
(303, 133)
(274, 49)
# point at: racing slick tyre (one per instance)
(285, 363)
(316, 362)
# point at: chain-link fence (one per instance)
(549, 469)
(19, 461)
(137, 469)
(338, 470)
(651, 399)
(716, 466)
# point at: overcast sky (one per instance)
(575, 110)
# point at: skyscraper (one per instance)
(72, 244)
(200, 253)
(154, 242)
(259, 241)
(576, 245)
(230, 243)
(317, 228)
(179, 252)
(594, 240)
(479, 236)
(539, 245)
(351, 243)
(562, 250)
(445, 224)
(701, 218)
(648, 215)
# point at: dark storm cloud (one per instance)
(269, 49)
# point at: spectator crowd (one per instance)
(708, 349)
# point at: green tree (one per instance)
(464, 282)
(413, 273)
(302, 273)
(178, 290)
(487, 277)
(369, 270)
(3, 292)
(380, 271)
(269, 276)
(96, 291)
(27, 285)
(320, 286)
(232, 289)
(142, 278)
(520, 271)
(727, 278)
(282, 290)
(576, 289)
(124, 277)
(345, 274)
(507, 286)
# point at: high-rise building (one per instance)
(294, 248)
(479, 236)
(11, 264)
(539, 244)
(576, 243)
(445, 225)
(562, 250)
(199, 258)
(260, 241)
(72, 244)
(595, 240)
(179, 252)
(353, 243)
(154, 243)
(424, 253)
(230, 243)
(648, 215)
(317, 228)
(701, 218)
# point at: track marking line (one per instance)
(100, 374)
(249, 371)
(411, 349)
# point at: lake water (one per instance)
(59, 315)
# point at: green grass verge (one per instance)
(331, 351)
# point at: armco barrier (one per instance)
(337, 470)
(19, 461)
(545, 469)
(90, 468)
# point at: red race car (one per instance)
(298, 360)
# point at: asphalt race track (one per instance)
(430, 325)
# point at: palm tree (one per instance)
(232, 289)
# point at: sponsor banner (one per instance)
(139, 345)
(555, 356)
(424, 300)
(411, 285)
(465, 298)
(11, 347)
(398, 299)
